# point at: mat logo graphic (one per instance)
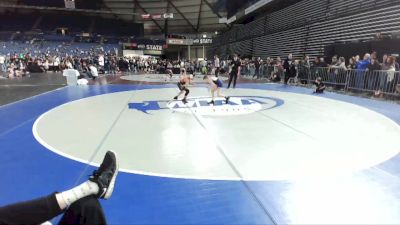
(238, 105)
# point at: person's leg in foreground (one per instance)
(80, 205)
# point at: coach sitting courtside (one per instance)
(320, 86)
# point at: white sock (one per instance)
(66, 198)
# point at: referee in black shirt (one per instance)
(235, 71)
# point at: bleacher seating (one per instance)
(16, 22)
(106, 26)
(48, 3)
(350, 28)
(254, 28)
(5, 35)
(73, 23)
(340, 7)
(257, 27)
(62, 47)
(281, 43)
(241, 48)
(308, 26)
(296, 15)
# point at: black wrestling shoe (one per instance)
(227, 100)
(211, 103)
(176, 98)
(184, 101)
(105, 176)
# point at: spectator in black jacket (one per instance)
(257, 64)
(373, 74)
(322, 62)
(304, 70)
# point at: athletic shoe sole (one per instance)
(110, 188)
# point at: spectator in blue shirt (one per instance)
(362, 65)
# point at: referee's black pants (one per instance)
(233, 76)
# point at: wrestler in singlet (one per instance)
(182, 85)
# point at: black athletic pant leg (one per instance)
(235, 76)
(232, 77)
(30, 212)
(287, 76)
(86, 211)
(83, 212)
